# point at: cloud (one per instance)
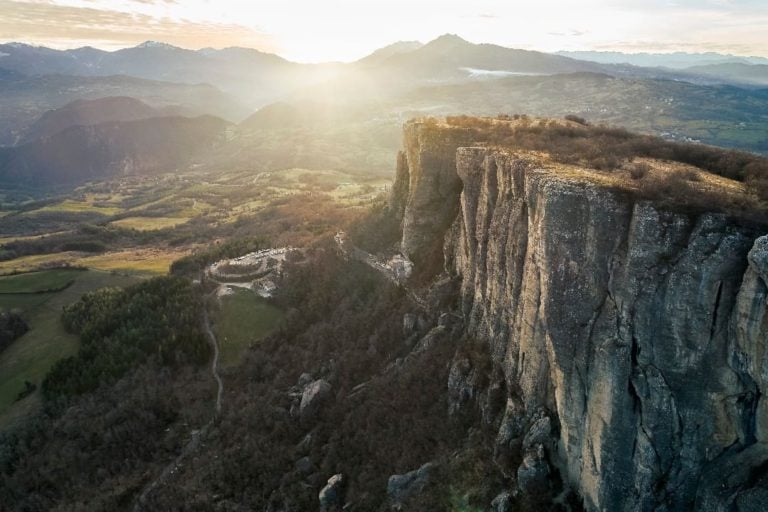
(570, 33)
(61, 26)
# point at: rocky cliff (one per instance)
(628, 341)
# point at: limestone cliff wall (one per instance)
(640, 333)
(426, 187)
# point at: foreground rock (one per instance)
(314, 396)
(402, 487)
(332, 495)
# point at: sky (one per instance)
(343, 30)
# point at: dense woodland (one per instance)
(120, 329)
(12, 326)
(128, 399)
(120, 406)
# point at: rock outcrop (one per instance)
(640, 333)
(331, 496)
(426, 187)
(402, 487)
(313, 397)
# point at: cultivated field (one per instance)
(30, 357)
(38, 282)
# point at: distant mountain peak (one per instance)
(157, 44)
(447, 43)
(448, 37)
(448, 40)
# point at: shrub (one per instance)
(638, 171)
(605, 162)
(690, 175)
(196, 262)
(577, 119)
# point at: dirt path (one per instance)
(215, 362)
(197, 435)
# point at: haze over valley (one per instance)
(348, 115)
(368, 267)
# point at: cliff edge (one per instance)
(627, 333)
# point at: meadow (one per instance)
(38, 282)
(30, 357)
(241, 319)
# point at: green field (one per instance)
(150, 223)
(31, 356)
(37, 282)
(242, 319)
(37, 261)
(68, 205)
(139, 261)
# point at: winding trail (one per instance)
(214, 363)
(197, 435)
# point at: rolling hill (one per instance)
(23, 99)
(82, 153)
(88, 113)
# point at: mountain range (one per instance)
(346, 115)
(675, 60)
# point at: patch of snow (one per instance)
(154, 44)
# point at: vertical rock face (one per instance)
(426, 189)
(641, 332)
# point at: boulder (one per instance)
(313, 397)
(305, 444)
(402, 487)
(332, 495)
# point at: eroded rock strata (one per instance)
(628, 342)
